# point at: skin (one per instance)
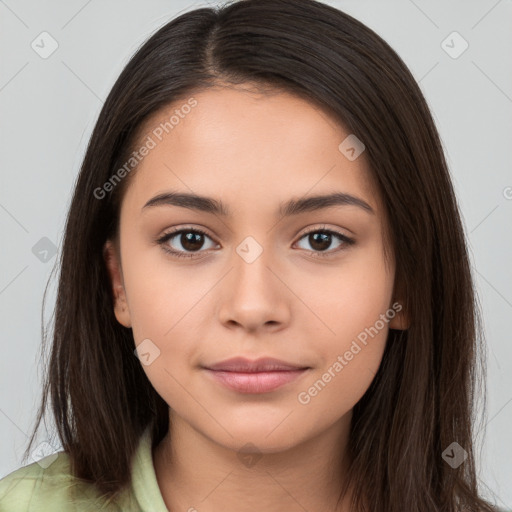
(253, 151)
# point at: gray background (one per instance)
(49, 106)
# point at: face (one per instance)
(199, 286)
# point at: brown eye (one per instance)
(184, 241)
(191, 241)
(320, 240)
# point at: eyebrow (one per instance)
(287, 209)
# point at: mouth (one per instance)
(260, 376)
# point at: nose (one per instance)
(253, 295)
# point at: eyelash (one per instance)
(323, 254)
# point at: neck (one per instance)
(195, 473)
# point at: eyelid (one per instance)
(175, 231)
(322, 227)
(308, 230)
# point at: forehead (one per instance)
(248, 144)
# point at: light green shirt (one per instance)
(40, 487)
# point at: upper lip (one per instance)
(263, 364)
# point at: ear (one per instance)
(401, 320)
(113, 264)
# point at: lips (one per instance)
(264, 364)
(259, 376)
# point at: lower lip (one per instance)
(257, 382)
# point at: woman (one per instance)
(265, 297)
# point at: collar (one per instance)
(144, 482)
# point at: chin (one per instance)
(248, 439)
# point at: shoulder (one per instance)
(37, 482)
(48, 485)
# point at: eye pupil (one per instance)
(191, 241)
(321, 241)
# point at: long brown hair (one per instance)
(423, 397)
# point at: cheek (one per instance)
(337, 388)
(353, 303)
(349, 365)
(160, 295)
(342, 301)
(164, 307)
